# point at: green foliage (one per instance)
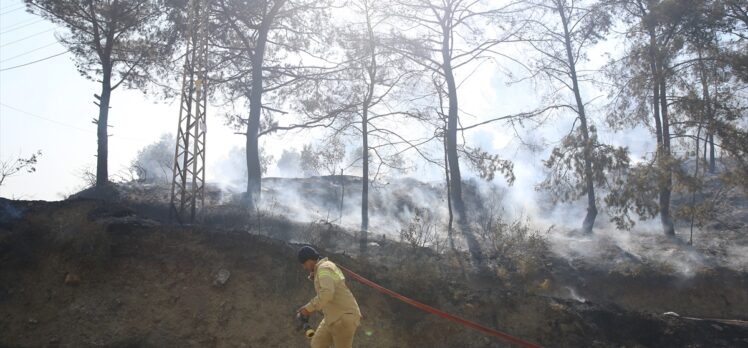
(487, 165)
(566, 176)
(326, 159)
(637, 194)
(515, 244)
(120, 40)
(293, 29)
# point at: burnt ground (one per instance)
(85, 273)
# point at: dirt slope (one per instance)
(90, 274)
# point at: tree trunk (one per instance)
(667, 184)
(342, 197)
(372, 72)
(655, 89)
(712, 162)
(695, 175)
(254, 170)
(365, 180)
(709, 138)
(102, 152)
(705, 115)
(662, 130)
(452, 157)
(706, 146)
(449, 196)
(589, 219)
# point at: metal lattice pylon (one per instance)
(188, 181)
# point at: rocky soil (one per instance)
(86, 273)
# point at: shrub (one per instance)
(422, 231)
(514, 244)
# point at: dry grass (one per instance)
(514, 247)
(422, 232)
(75, 232)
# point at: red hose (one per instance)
(473, 325)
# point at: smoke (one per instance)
(608, 248)
(395, 198)
(393, 203)
(231, 170)
(289, 163)
(628, 251)
(154, 163)
(338, 199)
(8, 212)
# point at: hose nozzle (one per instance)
(304, 325)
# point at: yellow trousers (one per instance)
(338, 334)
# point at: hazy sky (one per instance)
(48, 106)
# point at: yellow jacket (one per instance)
(333, 296)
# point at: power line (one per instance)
(60, 123)
(13, 10)
(27, 52)
(26, 38)
(36, 61)
(46, 119)
(13, 25)
(3, 8)
(16, 27)
(7, 6)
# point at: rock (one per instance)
(72, 279)
(33, 321)
(221, 277)
(54, 343)
(719, 328)
(545, 285)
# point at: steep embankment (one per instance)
(86, 274)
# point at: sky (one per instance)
(48, 106)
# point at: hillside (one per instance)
(94, 274)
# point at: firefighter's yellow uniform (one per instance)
(335, 300)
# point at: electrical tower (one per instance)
(188, 181)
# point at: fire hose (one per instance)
(426, 308)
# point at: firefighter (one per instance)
(340, 309)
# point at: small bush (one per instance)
(421, 231)
(515, 244)
(320, 233)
